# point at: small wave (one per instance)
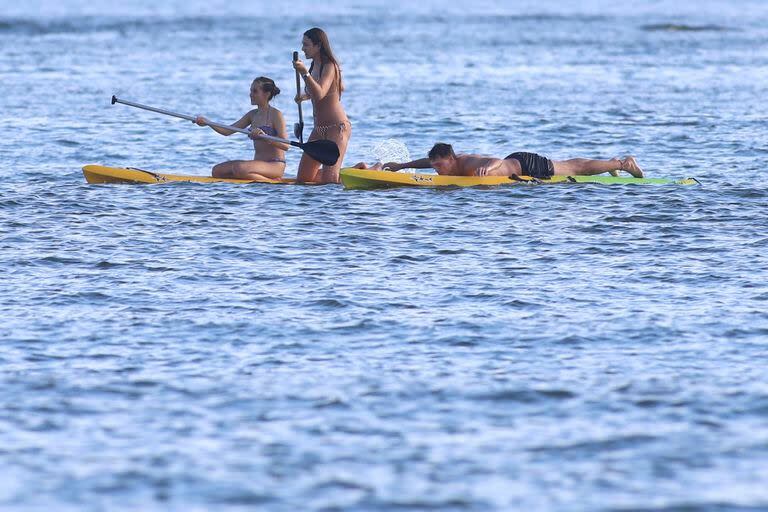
(596, 446)
(405, 258)
(573, 340)
(89, 296)
(35, 28)
(763, 242)
(328, 303)
(332, 403)
(527, 395)
(680, 27)
(242, 497)
(511, 18)
(650, 403)
(67, 142)
(86, 25)
(108, 264)
(60, 259)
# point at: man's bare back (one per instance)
(479, 165)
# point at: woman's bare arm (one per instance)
(318, 89)
(242, 123)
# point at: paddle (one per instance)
(298, 128)
(324, 151)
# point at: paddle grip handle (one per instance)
(300, 128)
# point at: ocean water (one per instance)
(213, 347)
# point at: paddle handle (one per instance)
(298, 93)
(115, 99)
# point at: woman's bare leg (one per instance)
(310, 170)
(308, 166)
(330, 173)
(223, 170)
(249, 170)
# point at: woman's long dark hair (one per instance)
(319, 37)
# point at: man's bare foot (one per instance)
(629, 164)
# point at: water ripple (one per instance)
(195, 347)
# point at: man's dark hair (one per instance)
(441, 150)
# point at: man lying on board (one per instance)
(443, 159)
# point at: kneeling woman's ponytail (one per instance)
(268, 85)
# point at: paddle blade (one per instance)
(298, 131)
(324, 151)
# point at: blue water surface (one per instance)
(217, 347)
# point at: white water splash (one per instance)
(391, 150)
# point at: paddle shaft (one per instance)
(115, 99)
(298, 93)
(324, 151)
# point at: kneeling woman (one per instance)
(269, 157)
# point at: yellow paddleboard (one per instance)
(102, 174)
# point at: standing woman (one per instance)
(269, 156)
(323, 85)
